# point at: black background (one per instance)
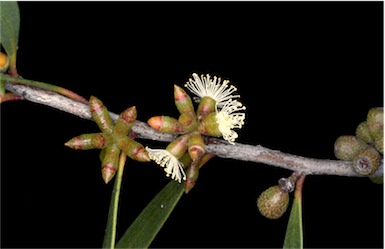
(307, 72)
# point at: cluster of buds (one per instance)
(273, 202)
(112, 140)
(218, 113)
(365, 149)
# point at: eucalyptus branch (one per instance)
(243, 152)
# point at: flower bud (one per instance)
(183, 101)
(347, 147)
(178, 147)
(4, 62)
(367, 162)
(209, 126)
(110, 162)
(125, 122)
(166, 124)
(188, 122)
(133, 149)
(196, 146)
(90, 141)
(375, 120)
(100, 114)
(191, 176)
(272, 203)
(363, 133)
(206, 106)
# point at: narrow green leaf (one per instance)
(10, 26)
(146, 226)
(110, 234)
(294, 233)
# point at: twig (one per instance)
(244, 152)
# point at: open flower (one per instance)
(229, 118)
(221, 92)
(169, 162)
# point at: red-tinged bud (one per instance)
(183, 101)
(209, 126)
(206, 106)
(125, 122)
(206, 157)
(90, 141)
(133, 149)
(100, 114)
(196, 146)
(166, 124)
(110, 162)
(188, 122)
(178, 147)
(191, 177)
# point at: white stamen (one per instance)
(169, 162)
(229, 118)
(204, 86)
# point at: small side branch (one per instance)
(243, 152)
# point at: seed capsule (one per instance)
(125, 122)
(367, 162)
(90, 141)
(110, 162)
(363, 133)
(272, 203)
(100, 114)
(375, 120)
(166, 124)
(347, 147)
(379, 142)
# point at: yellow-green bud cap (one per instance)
(133, 149)
(90, 141)
(183, 101)
(110, 162)
(125, 122)
(209, 126)
(363, 133)
(100, 114)
(347, 147)
(166, 124)
(375, 120)
(178, 147)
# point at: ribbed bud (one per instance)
(4, 62)
(379, 142)
(110, 162)
(375, 120)
(183, 101)
(100, 114)
(363, 133)
(166, 124)
(206, 106)
(188, 122)
(272, 203)
(367, 162)
(209, 126)
(125, 122)
(178, 147)
(347, 147)
(90, 141)
(196, 146)
(133, 149)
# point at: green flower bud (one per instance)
(367, 162)
(100, 114)
(347, 147)
(206, 106)
(188, 122)
(133, 149)
(196, 146)
(183, 101)
(178, 147)
(363, 133)
(209, 126)
(272, 203)
(125, 122)
(375, 120)
(191, 177)
(90, 141)
(110, 162)
(166, 124)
